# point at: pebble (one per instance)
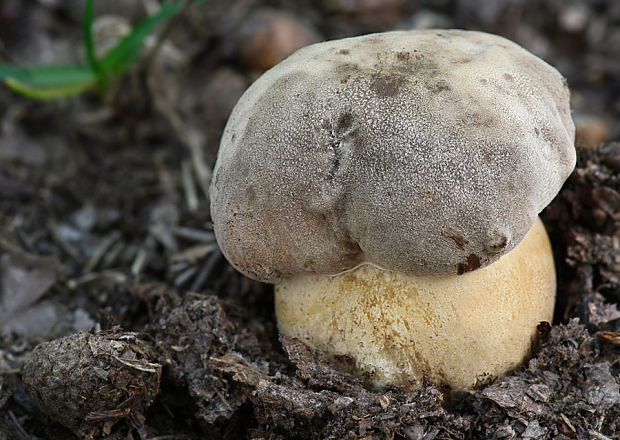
(361, 7)
(221, 94)
(427, 19)
(574, 18)
(591, 130)
(488, 14)
(268, 36)
(611, 156)
(370, 15)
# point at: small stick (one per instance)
(189, 186)
(206, 270)
(101, 250)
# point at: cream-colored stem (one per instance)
(453, 330)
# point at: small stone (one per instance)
(268, 36)
(220, 96)
(574, 18)
(489, 14)
(372, 15)
(361, 7)
(223, 91)
(611, 156)
(590, 130)
(428, 19)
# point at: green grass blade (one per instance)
(48, 76)
(48, 82)
(118, 59)
(89, 44)
(48, 92)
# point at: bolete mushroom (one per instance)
(383, 184)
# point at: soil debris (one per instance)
(111, 190)
(584, 225)
(194, 337)
(566, 391)
(91, 382)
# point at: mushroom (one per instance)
(389, 185)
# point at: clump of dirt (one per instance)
(570, 389)
(90, 382)
(190, 335)
(584, 224)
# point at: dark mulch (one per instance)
(107, 251)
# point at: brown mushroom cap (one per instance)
(423, 152)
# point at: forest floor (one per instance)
(107, 250)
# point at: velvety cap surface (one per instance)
(425, 152)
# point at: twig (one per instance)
(18, 426)
(193, 253)
(143, 256)
(10, 248)
(196, 143)
(206, 270)
(106, 275)
(200, 235)
(64, 245)
(178, 266)
(112, 255)
(568, 423)
(220, 395)
(184, 276)
(188, 185)
(597, 435)
(101, 250)
(163, 234)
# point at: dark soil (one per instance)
(106, 247)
